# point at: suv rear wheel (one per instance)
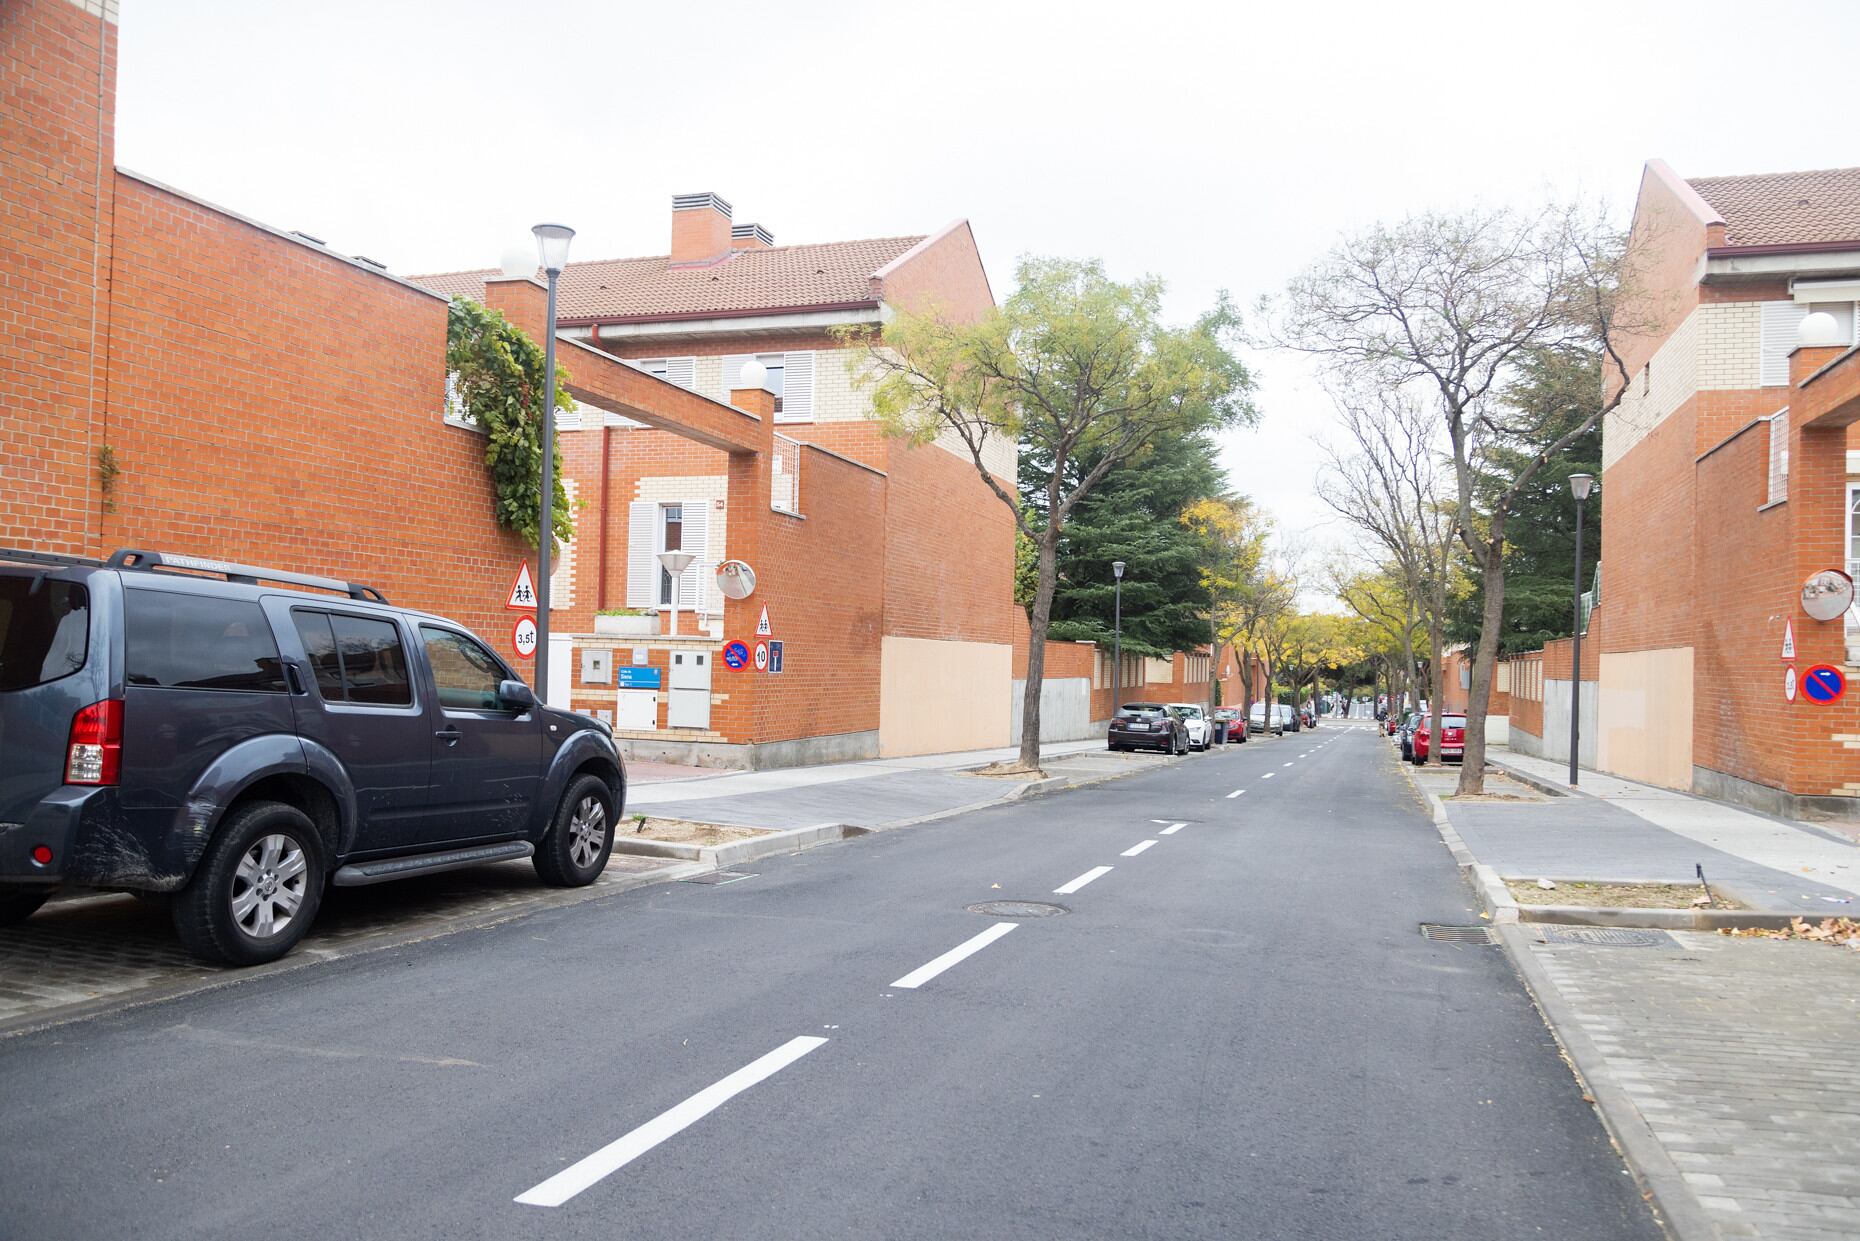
(256, 890)
(574, 852)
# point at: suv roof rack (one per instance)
(51, 558)
(250, 575)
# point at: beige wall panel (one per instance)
(1645, 716)
(935, 697)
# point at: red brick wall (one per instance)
(1527, 706)
(1667, 239)
(1647, 509)
(57, 183)
(238, 441)
(945, 274)
(821, 580)
(949, 564)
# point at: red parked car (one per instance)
(1452, 739)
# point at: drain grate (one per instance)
(1608, 937)
(1017, 909)
(718, 877)
(1457, 934)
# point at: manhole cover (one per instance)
(1017, 909)
(719, 877)
(1457, 934)
(1608, 937)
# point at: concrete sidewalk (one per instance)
(1620, 831)
(875, 793)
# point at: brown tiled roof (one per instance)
(1786, 208)
(782, 277)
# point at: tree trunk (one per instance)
(1038, 622)
(1437, 682)
(1472, 766)
(1214, 663)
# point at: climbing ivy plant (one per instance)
(497, 376)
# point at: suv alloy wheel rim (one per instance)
(268, 886)
(587, 832)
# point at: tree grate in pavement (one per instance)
(1017, 909)
(1608, 937)
(1457, 934)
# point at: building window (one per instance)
(1779, 457)
(680, 371)
(671, 539)
(776, 366)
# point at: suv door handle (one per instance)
(449, 735)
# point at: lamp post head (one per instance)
(1580, 485)
(552, 246)
(1117, 569)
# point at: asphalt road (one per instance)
(1235, 1032)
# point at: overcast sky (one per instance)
(1217, 145)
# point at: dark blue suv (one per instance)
(179, 727)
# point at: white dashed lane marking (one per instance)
(1137, 848)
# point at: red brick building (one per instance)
(1730, 475)
(899, 637)
(148, 402)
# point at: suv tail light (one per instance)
(95, 755)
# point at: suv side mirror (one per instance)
(515, 696)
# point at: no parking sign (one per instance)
(1823, 684)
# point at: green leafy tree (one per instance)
(1558, 387)
(1132, 515)
(1076, 368)
(499, 384)
(1232, 534)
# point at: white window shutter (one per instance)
(642, 540)
(694, 583)
(1778, 323)
(681, 371)
(797, 395)
(733, 371)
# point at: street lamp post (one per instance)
(1580, 485)
(1117, 636)
(552, 248)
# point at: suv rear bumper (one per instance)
(63, 823)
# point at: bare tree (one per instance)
(1389, 484)
(1451, 305)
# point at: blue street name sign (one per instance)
(637, 678)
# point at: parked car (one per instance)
(1405, 735)
(1262, 719)
(1288, 718)
(1236, 723)
(1147, 726)
(172, 727)
(1452, 739)
(1200, 727)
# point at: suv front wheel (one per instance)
(256, 890)
(574, 852)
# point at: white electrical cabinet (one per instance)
(689, 684)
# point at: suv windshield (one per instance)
(44, 630)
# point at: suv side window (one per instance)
(175, 641)
(356, 659)
(466, 674)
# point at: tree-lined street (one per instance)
(1235, 1030)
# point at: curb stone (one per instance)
(716, 857)
(1673, 1202)
(1674, 1205)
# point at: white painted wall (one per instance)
(1556, 722)
(1065, 710)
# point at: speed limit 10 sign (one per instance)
(523, 637)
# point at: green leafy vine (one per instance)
(498, 373)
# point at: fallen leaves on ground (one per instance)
(1842, 931)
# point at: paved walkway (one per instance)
(1740, 1057)
(874, 793)
(1617, 831)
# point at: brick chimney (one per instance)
(700, 228)
(750, 237)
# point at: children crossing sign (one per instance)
(1788, 651)
(522, 591)
(762, 626)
